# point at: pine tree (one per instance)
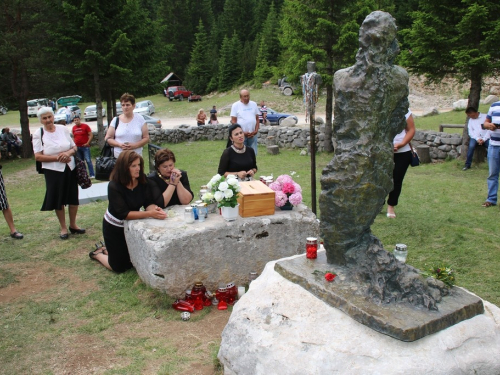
(199, 69)
(229, 64)
(269, 48)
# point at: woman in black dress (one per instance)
(170, 186)
(238, 159)
(128, 191)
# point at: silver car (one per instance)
(60, 116)
(145, 107)
(90, 112)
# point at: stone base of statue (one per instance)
(278, 327)
(401, 320)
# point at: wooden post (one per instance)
(312, 137)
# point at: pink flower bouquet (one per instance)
(287, 191)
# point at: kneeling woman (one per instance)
(128, 191)
(238, 159)
(170, 186)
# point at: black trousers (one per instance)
(402, 161)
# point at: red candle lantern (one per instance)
(221, 293)
(311, 248)
(232, 292)
(198, 295)
(181, 305)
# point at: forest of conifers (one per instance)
(102, 48)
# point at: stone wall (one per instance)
(442, 145)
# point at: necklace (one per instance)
(239, 150)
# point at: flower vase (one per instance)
(287, 207)
(230, 213)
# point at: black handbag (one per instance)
(82, 176)
(415, 161)
(105, 163)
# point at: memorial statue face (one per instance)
(311, 67)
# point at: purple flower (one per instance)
(295, 198)
(280, 199)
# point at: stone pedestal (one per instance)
(278, 327)
(171, 256)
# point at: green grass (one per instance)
(439, 217)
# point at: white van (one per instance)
(35, 104)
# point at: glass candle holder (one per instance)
(221, 293)
(188, 215)
(252, 276)
(311, 248)
(401, 252)
(232, 292)
(197, 296)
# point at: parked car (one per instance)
(145, 107)
(153, 122)
(90, 113)
(178, 92)
(275, 118)
(194, 98)
(60, 116)
(119, 109)
(35, 104)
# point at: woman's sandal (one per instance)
(92, 254)
(17, 235)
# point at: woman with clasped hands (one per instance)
(238, 159)
(128, 191)
(56, 151)
(170, 186)
(132, 131)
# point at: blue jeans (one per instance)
(252, 142)
(472, 147)
(68, 119)
(494, 169)
(84, 154)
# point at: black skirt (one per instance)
(114, 239)
(61, 189)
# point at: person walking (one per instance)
(82, 134)
(6, 211)
(246, 113)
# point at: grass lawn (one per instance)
(62, 313)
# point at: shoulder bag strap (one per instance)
(41, 134)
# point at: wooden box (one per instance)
(255, 199)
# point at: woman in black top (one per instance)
(128, 191)
(169, 185)
(238, 159)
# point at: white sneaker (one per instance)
(92, 176)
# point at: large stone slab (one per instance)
(170, 255)
(278, 327)
(402, 320)
(97, 192)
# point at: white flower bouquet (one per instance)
(223, 190)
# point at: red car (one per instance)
(177, 92)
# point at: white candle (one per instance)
(241, 291)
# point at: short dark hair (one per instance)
(127, 98)
(121, 172)
(162, 156)
(471, 109)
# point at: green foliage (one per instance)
(229, 65)
(199, 69)
(269, 47)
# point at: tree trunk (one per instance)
(474, 97)
(20, 74)
(98, 100)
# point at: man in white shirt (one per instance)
(478, 135)
(246, 113)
